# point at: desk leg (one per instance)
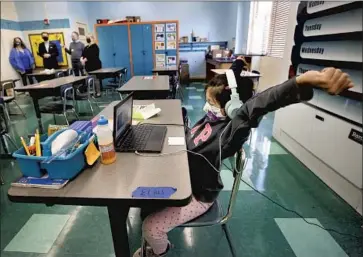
(37, 113)
(101, 85)
(118, 216)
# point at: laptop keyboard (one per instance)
(137, 138)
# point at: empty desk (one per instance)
(48, 88)
(41, 75)
(106, 73)
(147, 87)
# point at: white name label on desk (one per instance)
(176, 141)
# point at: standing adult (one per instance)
(22, 60)
(75, 50)
(91, 59)
(49, 52)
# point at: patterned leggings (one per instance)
(157, 225)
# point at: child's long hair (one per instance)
(219, 87)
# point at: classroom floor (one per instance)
(259, 227)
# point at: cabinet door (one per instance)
(297, 123)
(106, 45)
(148, 49)
(331, 144)
(137, 49)
(121, 46)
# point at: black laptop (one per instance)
(129, 138)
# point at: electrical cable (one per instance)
(295, 212)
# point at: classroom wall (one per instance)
(214, 20)
(8, 13)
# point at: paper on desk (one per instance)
(148, 77)
(154, 192)
(176, 141)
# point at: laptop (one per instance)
(129, 138)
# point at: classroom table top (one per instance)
(52, 83)
(42, 73)
(8, 81)
(243, 73)
(106, 70)
(144, 83)
(106, 184)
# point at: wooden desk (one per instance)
(105, 73)
(48, 88)
(40, 75)
(144, 88)
(112, 185)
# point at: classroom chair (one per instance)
(4, 136)
(85, 92)
(61, 107)
(6, 100)
(216, 215)
(257, 80)
(69, 72)
(117, 83)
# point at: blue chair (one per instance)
(216, 215)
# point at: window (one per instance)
(268, 28)
(278, 29)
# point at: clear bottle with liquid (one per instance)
(105, 141)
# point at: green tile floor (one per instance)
(259, 227)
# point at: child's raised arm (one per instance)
(292, 91)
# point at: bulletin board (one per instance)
(57, 38)
(165, 44)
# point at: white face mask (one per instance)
(213, 112)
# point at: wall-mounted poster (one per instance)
(171, 60)
(171, 36)
(159, 27)
(171, 27)
(57, 38)
(171, 45)
(160, 57)
(159, 45)
(160, 37)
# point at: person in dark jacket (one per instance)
(49, 52)
(91, 59)
(217, 137)
(22, 60)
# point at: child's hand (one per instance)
(331, 80)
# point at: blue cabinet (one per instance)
(142, 52)
(113, 42)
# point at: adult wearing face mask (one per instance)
(75, 49)
(22, 60)
(49, 52)
(91, 59)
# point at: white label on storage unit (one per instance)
(317, 6)
(347, 51)
(345, 22)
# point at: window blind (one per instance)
(278, 29)
(268, 28)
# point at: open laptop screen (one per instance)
(123, 117)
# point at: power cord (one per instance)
(295, 212)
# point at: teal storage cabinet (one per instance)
(113, 42)
(142, 49)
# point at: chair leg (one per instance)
(76, 114)
(19, 108)
(65, 116)
(7, 115)
(229, 239)
(11, 140)
(90, 105)
(143, 247)
(94, 100)
(1, 179)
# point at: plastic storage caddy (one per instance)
(63, 167)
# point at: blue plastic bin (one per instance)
(61, 168)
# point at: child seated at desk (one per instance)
(205, 138)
